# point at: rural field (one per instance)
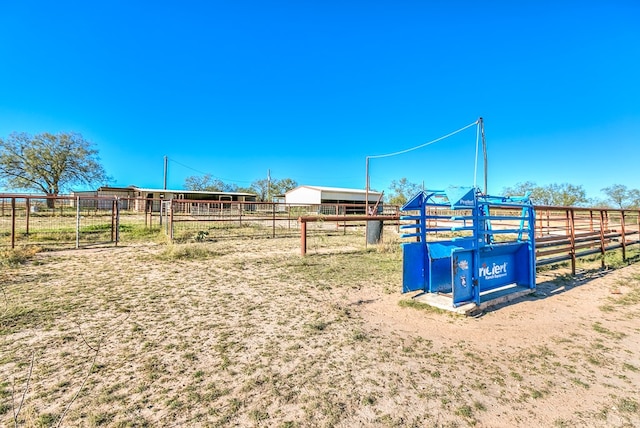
(246, 332)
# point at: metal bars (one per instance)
(568, 233)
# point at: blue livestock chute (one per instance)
(472, 248)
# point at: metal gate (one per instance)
(470, 246)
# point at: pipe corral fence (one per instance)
(561, 233)
(476, 250)
(73, 222)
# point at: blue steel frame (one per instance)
(475, 264)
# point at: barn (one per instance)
(352, 201)
(141, 199)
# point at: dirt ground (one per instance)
(248, 333)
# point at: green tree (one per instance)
(402, 190)
(266, 189)
(208, 183)
(622, 197)
(521, 189)
(283, 186)
(565, 194)
(49, 163)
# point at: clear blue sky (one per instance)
(308, 89)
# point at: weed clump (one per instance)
(187, 252)
(17, 256)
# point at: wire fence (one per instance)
(562, 233)
(202, 220)
(74, 222)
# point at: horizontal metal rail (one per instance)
(309, 219)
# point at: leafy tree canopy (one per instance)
(619, 196)
(208, 183)
(265, 189)
(564, 195)
(49, 163)
(402, 190)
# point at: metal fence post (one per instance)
(273, 210)
(170, 220)
(13, 222)
(28, 207)
(117, 225)
(77, 222)
(572, 239)
(624, 236)
(303, 236)
(603, 249)
(113, 220)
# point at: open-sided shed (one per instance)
(142, 199)
(320, 195)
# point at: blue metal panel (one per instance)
(414, 203)
(496, 269)
(439, 275)
(413, 267)
(504, 264)
(462, 273)
(474, 262)
(526, 262)
(461, 197)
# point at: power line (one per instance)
(423, 145)
(207, 173)
(412, 149)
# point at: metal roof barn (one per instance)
(314, 195)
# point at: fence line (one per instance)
(568, 233)
(562, 233)
(66, 221)
(189, 219)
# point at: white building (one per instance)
(351, 200)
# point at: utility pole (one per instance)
(166, 162)
(268, 185)
(366, 187)
(484, 153)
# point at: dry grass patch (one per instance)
(248, 333)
